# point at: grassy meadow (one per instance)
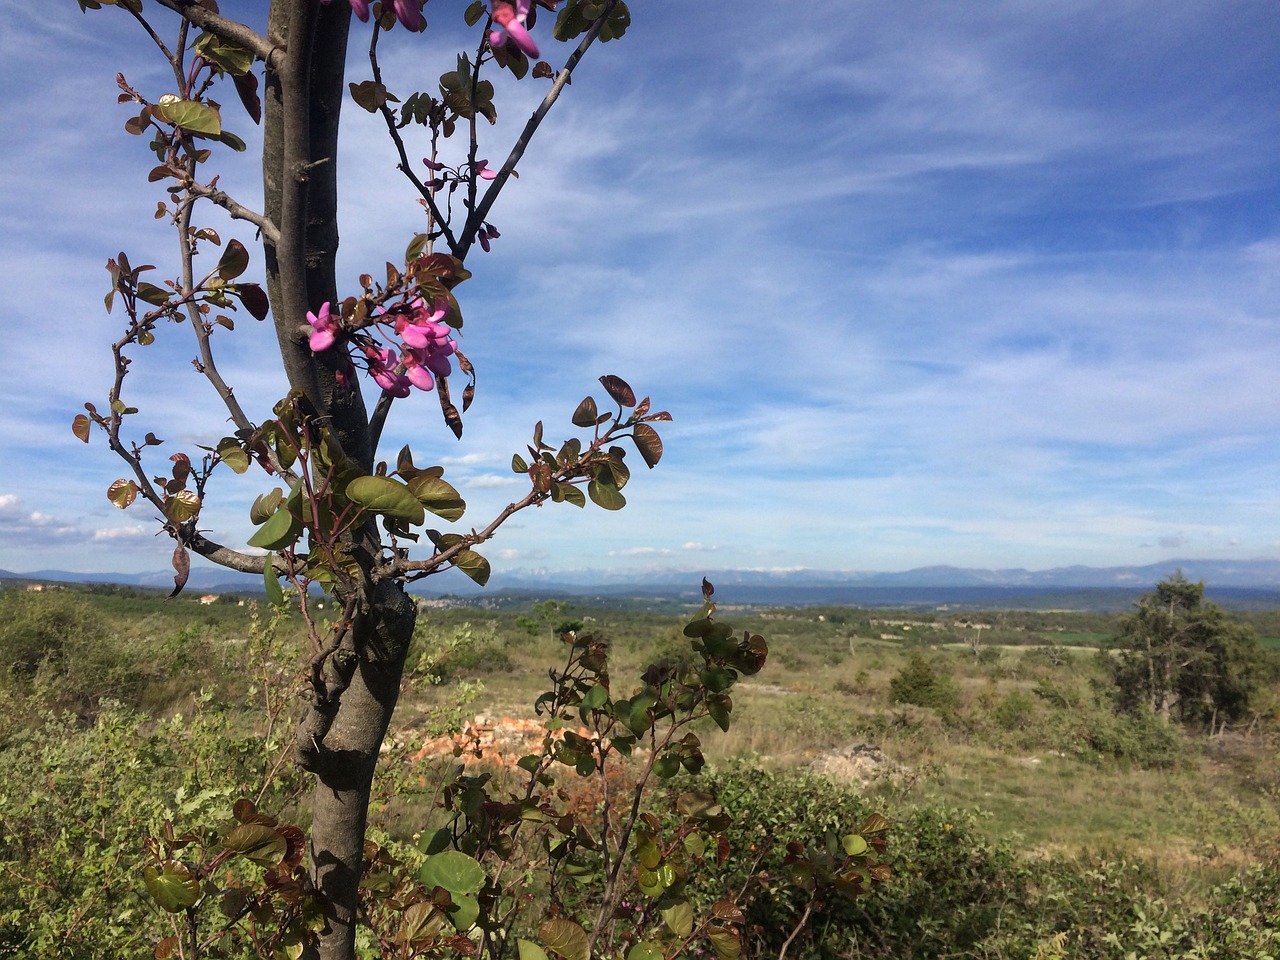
(1018, 776)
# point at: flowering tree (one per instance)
(338, 517)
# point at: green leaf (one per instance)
(438, 496)
(453, 870)
(234, 260)
(569, 493)
(264, 506)
(596, 697)
(233, 455)
(718, 708)
(466, 913)
(227, 54)
(519, 464)
(122, 492)
(472, 17)
(156, 296)
(667, 765)
(263, 845)
(604, 493)
(275, 595)
(854, 845)
(173, 886)
(387, 497)
(189, 114)
(473, 565)
(182, 506)
(280, 530)
(726, 943)
(565, 939)
(645, 951)
(679, 918)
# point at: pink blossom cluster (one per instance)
(408, 12)
(423, 354)
(509, 19)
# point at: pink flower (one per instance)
(408, 12)
(382, 367)
(483, 171)
(422, 329)
(510, 26)
(486, 233)
(419, 365)
(326, 328)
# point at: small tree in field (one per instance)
(337, 515)
(1182, 658)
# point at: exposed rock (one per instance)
(860, 763)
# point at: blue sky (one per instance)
(987, 285)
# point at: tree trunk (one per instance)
(302, 102)
(340, 803)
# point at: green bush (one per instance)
(920, 684)
(948, 891)
(77, 803)
(1014, 711)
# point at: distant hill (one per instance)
(1252, 583)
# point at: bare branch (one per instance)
(237, 210)
(225, 556)
(427, 194)
(478, 213)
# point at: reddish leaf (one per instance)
(182, 569)
(451, 416)
(80, 427)
(648, 443)
(619, 389)
(247, 88)
(585, 415)
(234, 260)
(244, 810)
(254, 300)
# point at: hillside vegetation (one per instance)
(1041, 808)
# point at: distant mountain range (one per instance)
(1259, 579)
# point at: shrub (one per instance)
(919, 684)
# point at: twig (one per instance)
(480, 212)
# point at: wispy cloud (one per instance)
(919, 283)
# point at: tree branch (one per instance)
(226, 557)
(237, 210)
(480, 212)
(195, 12)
